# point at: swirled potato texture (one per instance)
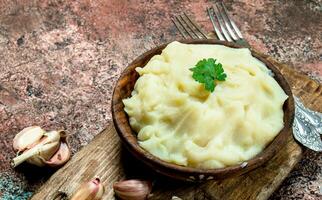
(178, 121)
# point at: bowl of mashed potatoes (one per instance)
(180, 129)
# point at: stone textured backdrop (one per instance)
(59, 61)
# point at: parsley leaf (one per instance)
(206, 71)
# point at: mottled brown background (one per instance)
(60, 59)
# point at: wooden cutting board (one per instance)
(105, 157)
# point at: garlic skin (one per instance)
(60, 157)
(44, 152)
(26, 138)
(92, 190)
(41, 148)
(132, 189)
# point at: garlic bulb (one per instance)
(132, 189)
(40, 148)
(92, 190)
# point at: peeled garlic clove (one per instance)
(44, 150)
(60, 157)
(27, 138)
(92, 190)
(132, 189)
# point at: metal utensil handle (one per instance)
(307, 126)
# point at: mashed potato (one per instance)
(180, 122)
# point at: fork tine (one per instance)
(180, 28)
(191, 33)
(221, 24)
(186, 19)
(226, 21)
(196, 26)
(211, 16)
(236, 29)
(188, 27)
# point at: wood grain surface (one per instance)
(104, 157)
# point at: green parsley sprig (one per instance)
(206, 71)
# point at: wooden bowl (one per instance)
(123, 89)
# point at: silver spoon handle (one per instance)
(315, 118)
(307, 126)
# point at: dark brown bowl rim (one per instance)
(271, 149)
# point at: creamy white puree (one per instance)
(180, 122)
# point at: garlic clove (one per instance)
(92, 190)
(132, 189)
(51, 136)
(44, 150)
(60, 157)
(63, 154)
(27, 137)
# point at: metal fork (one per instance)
(307, 125)
(227, 29)
(188, 27)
